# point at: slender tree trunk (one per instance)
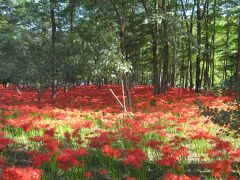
(164, 81)
(189, 43)
(238, 63)
(213, 42)
(183, 64)
(190, 56)
(199, 30)
(53, 49)
(226, 59)
(155, 61)
(206, 71)
(154, 34)
(175, 63)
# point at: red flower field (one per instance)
(84, 134)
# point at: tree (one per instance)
(164, 81)
(238, 63)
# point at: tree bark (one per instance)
(164, 82)
(206, 71)
(156, 82)
(199, 27)
(213, 43)
(175, 63)
(53, 49)
(226, 59)
(154, 35)
(238, 63)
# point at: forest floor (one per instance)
(84, 134)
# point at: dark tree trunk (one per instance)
(213, 43)
(238, 63)
(154, 34)
(164, 81)
(199, 29)
(155, 80)
(174, 64)
(206, 71)
(53, 49)
(226, 59)
(189, 43)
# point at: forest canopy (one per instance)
(188, 43)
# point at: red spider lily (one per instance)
(135, 158)
(167, 149)
(154, 144)
(88, 175)
(235, 155)
(49, 132)
(182, 151)
(103, 171)
(26, 126)
(172, 176)
(110, 152)
(168, 161)
(130, 178)
(102, 139)
(69, 158)
(221, 168)
(67, 135)
(4, 142)
(223, 145)
(38, 159)
(50, 144)
(26, 173)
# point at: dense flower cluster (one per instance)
(18, 173)
(87, 124)
(69, 158)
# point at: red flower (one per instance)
(172, 176)
(130, 178)
(168, 161)
(103, 171)
(69, 158)
(38, 159)
(167, 149)
(26, 173)
(88, 175)
(135, 158)
(50, 132)
(109, 151)
(4, 142)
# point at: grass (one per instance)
(167, 138)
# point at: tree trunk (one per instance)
(199, 29)
(155, 79)
(175, 63)
(206, 71)
(154, 34)
(189, 43)
(164, 81)
(213, 42)
(53, 49)
(226, 59)
(238, 63)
